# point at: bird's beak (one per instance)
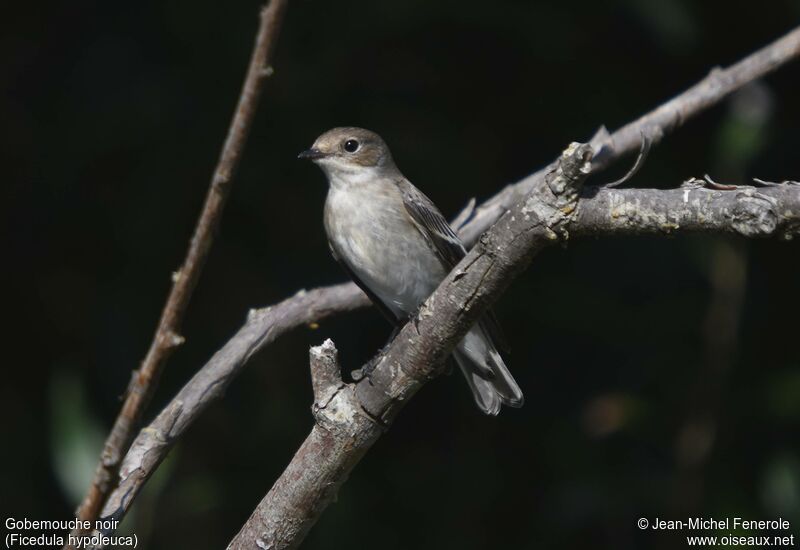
(311, 154)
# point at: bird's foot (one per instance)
(367, 370)
(369, 367)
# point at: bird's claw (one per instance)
(366, 371)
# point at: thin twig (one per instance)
(644, 150)
(711, 184)
(167, 336)
(766, 183)
(655, 125)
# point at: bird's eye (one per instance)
(351, 146)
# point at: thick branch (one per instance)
(167, 338)
(747, 211)
(339, 438)
(357, 413)
(592, 217)
(354, 417)
(599, 213)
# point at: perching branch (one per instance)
(351, 420)
(594, 216)
(338, 439)
(772, 211)
(167, 336)
(356, 415)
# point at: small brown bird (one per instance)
(396, 245)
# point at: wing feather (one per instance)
(435, 229)
(432, 224)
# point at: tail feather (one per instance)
(486, 373)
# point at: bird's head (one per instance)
(349, 150)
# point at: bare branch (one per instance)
(718, 84)
(594, 216)
(654, 125)
(774, 211)
(338, 439)
(361, 411)
(263, 327)
(167, 337)
(746, 211)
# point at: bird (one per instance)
(397, 247)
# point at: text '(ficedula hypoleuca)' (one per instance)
(396, 245)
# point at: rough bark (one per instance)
(352, 419)
(338, 440)
(746, 211)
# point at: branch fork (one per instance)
(327, 456)
(346, 414)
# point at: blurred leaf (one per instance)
(742, 134)
(76, 437)
(783, 393)
(608, 413)
(671, 21)
(780, 486)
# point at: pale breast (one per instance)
(369, 229)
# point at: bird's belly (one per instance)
(388, 254)
(407, 277)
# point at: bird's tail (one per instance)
(486, 373)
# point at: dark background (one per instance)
(666, 383)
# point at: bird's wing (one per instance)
(382, 307)
(430, 222)
(435, 229)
